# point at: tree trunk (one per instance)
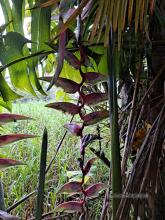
(157, 101)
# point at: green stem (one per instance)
(115, 145)
(40, 195)
(2, 202)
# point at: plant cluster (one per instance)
(85, 139)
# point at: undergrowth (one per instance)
(21, 180)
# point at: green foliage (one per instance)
(71, 54)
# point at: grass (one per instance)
(21, 180)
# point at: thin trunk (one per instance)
(115, 145)
(2, 202)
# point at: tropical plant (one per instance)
(6, 162)
(122, 40)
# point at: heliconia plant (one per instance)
(89, 118)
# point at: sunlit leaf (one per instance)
(77, 176)
(17, 15)
(7, 105)
(103, 64)
(97, 49)
(7, 93)
(94, 117)
(65, 107)
(95, 189)
(12, 49)
(71, 73)
(9, 138)
(71, 187)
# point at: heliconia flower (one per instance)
(95, 189)
(89, 165)
(70, 207)
(71, 187)
(65, 107)
(75, 129)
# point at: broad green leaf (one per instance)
(4, 26)
(62, 96)
(71, 73)
(17, 15)
(6, 105)
(103, 67)
(44, 27)
(33, 69)
(92, 67)
(11, 50)
(97, 49)
(71, 174)
(7, 93)
(77, 176)
(7, 13)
